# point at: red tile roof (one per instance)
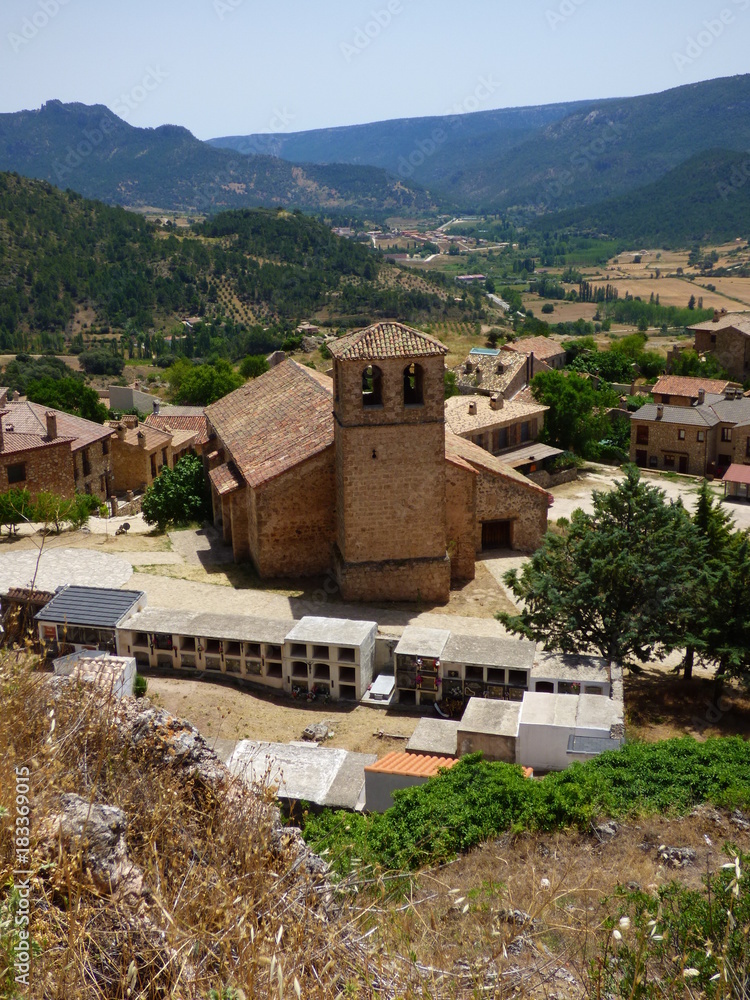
(684, 385)
(180, 422)
(458, 447)
(542, 347)
(276, 421)
(386, 340)
(225, 479)
(411, 764)
(153, 436)
(737, 474)
(29, 418)
(13, 442)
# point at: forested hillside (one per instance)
(71, 268)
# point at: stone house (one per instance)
(680, 390)
(140, 452)
(698, 440)
(49, 450)
(544, 352)
(487, 371)
(494, 423)
(727, 337)
(356, 476)
(181, 418)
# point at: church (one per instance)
(358, 476)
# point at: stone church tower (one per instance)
(389, 436)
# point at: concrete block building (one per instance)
(357, 477)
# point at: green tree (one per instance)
(615, 581)
(574, 420)
(15, 508)
(178, 496)
(69, 395)
(450, 382)
(199, 385)
(101, 362)
(253, 365)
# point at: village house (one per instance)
(702, 439)
(544, 352)
(494, 423)
(487, 372)
(727, 338)
(358, 478)
(140, 452)
(680, 390)
(45, 450)
(181, 418)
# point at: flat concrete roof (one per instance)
(569, 667)
(416, 641)
(339, 631)
(210, 626)
(438, 737)
(491, 717)
(541, 709)
(489, 651)
(597, 712)
(320, 775)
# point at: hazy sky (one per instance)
(238, 66)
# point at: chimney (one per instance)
(51, 418)
(472, 409)
(497, 401)
(141, 439)
(3, 413)
(659, 411)
(623, 402)
(156, 404)
(121, 431)
(716, 316)
(701, 397)
(136, 384)
(130, 420)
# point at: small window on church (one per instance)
(372, 386)
(413, 391)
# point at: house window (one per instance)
(665, 397)
(105, 446)
(681, 434)
(747, 447)
(164, 457)
(669, 461)
(372, 386)
(86, 462)
(713, 338)
(17, 473)
(525, 430)
(641, 458)
(413, 385)
(500, 439)
(653, 461)
(641, 434)
(726, 433)
(153, 466)
(701, 436)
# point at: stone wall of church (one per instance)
(500, 498)
(460, 491)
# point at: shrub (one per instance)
(178, 496)
(140, 686)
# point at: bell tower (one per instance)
(389, 435)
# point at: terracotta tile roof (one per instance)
(456, 446)
(386, 340)
(491, 372)
(225, 478)
(195, 422)
(276, 421)
(29, 418)
(155, 438)
(735, 321)
(412, 764)
(683, 385)
(13, 442)
(541, 347)
(182, 438)
(737, 474)
(460, 421)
